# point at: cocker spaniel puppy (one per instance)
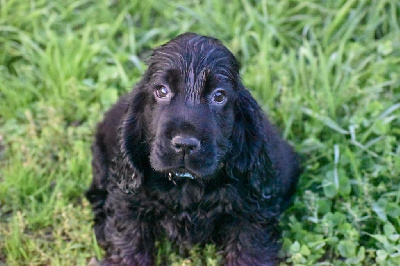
(189, 155)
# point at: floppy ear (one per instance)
(249, 157)
(130, 160)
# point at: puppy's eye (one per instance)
(162, 92)
(219, 96)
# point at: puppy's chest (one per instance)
(187, 226)
(191, 216)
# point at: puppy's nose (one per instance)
(185, 144)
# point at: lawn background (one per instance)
(327, 73)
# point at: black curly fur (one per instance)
(245, 174)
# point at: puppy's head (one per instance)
(193, 86)
(190, 114)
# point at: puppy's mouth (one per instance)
(181, 174)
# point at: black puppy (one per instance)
(189, 154)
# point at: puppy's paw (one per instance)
(93, 262)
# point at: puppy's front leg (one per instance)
(129, 243)
(129, 236)
(252, 244)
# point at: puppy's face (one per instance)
(192, 89)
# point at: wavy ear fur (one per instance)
(132, 153)
(249, 156)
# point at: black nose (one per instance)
(185, 144)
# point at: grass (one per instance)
(327, 72)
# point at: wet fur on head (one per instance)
(189, 154)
